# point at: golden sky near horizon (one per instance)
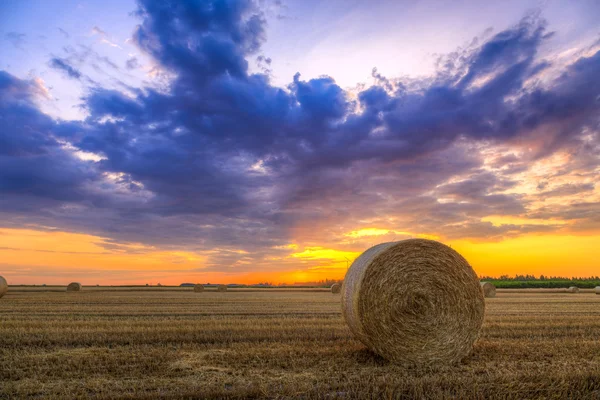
(37, 257)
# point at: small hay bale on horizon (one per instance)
(573, 289)
(336, 288)
(415, 302)
(221, 288)
(489, 290)
(3, 286)
(74, 287)
(198, 288)
(597, 289)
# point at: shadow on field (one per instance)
(366, 357)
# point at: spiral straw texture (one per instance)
(3, 286)
(74, 287)
(198, 288)
(489, 290)
(414, 302)
(336, 288)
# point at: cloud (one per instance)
(106, 61)
(263, 59)
(111, 44)
(64, 66)
(568, 190)
(17, 39)
(104, 37)
(132, 63)
(221, 158)
(97, 31)
(36, 169)
(64, 33)
(82, 56)
(221, 34)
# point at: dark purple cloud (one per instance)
(223, 158)
(64, 66)
(36, 169)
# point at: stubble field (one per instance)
(102, 343)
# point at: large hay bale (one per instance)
(597, 289)
(336, 288)
(74, 287)
(414, 302)
(573, 289)
(222, 288)
(198, 288)
(489, 290)
(3, 286)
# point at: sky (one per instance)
(273, 141)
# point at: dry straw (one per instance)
(3, 286)
(489, 290)
(74, 287)
(199, 288)
(221, 288)
(573, 289)
(336, 288)
(414, 302)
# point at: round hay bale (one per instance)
(597, 289)
(336, 288)
(415, 302)
(74, 287)
(198, 288)
(3, 286)
(222, 288)
(573, 289)
(489, 290)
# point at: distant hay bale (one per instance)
(336, 288)
(414, 302)
(74, 287)
(597, 289)
(573, 289)
(489, 290)
(222, 288)
(199, 288)
(3, 286)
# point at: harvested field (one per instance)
(165, 343)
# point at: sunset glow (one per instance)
(51, 257)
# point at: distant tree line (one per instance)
(326, 283)
(541, 282)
